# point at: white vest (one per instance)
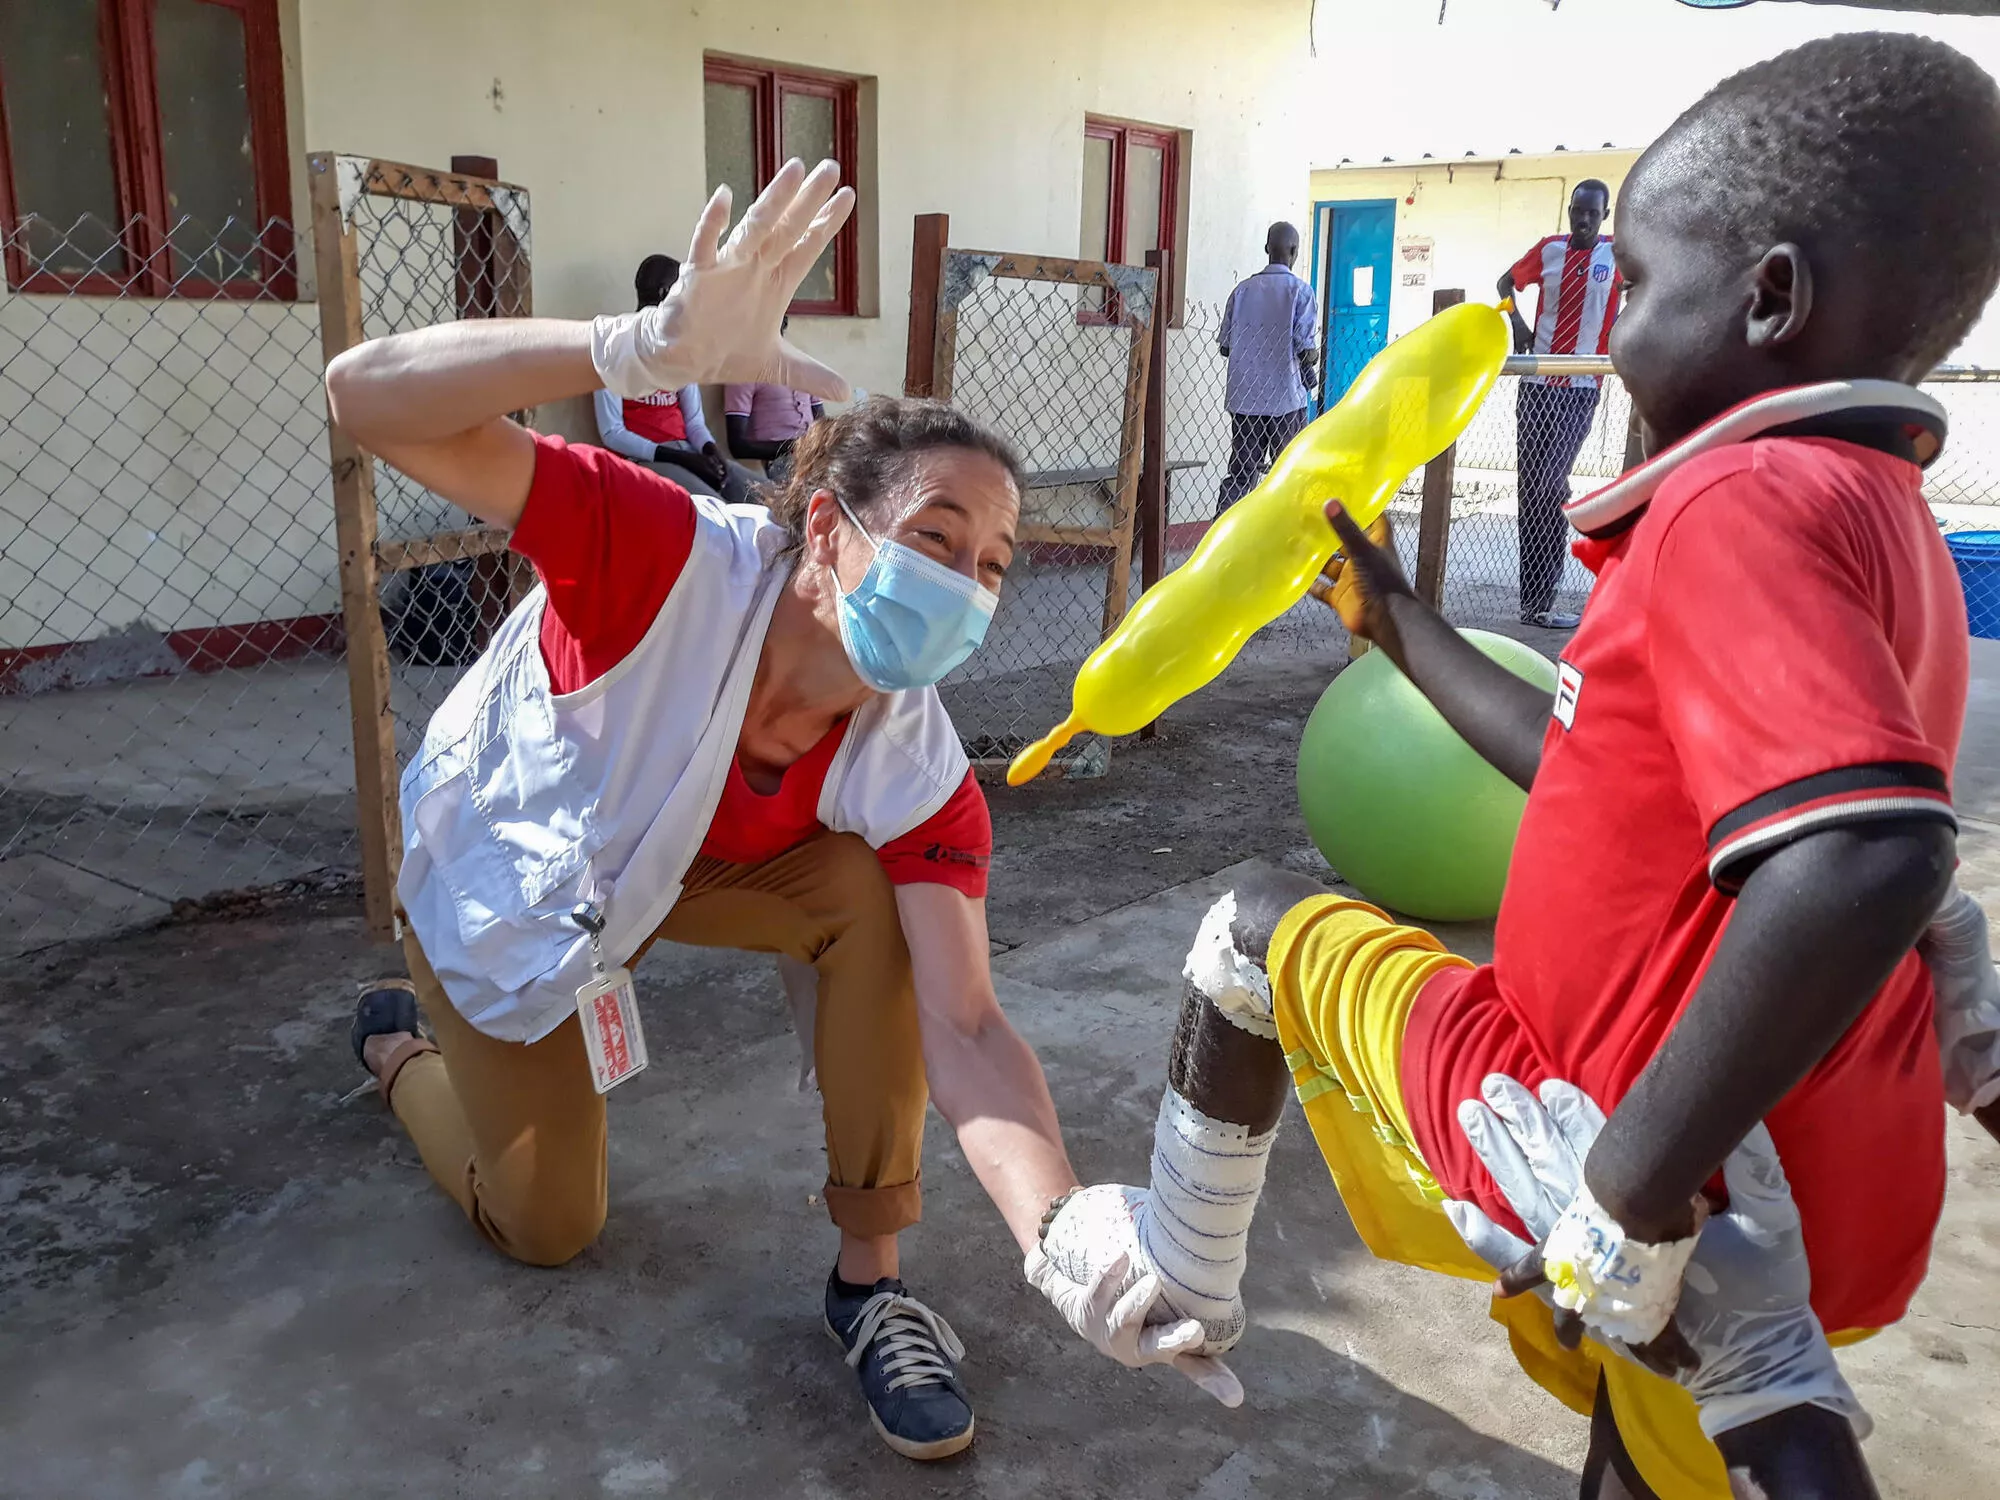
(523, 802)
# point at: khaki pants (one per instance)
(515, 1132)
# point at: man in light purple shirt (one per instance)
(1270, 338)
(765, 420)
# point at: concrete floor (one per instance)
(218, 1280)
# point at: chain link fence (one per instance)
(1215, 455)
(423, 257)
(170, 636)
(176, 725)
(1048, 352)
(1534, 445)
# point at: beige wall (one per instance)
(162, 464)
(1480, 215)
(596, 107)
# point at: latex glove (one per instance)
(1745, 1307)
(1110, 1311)
(1967, 1009)
(719, 325)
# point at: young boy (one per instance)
(1739, 820)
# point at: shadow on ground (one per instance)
(218, 1279)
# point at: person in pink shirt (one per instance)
(763, 421)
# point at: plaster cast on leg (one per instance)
(1211, 1144)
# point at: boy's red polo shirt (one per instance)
(1777, 645)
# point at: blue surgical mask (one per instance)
(910, 620)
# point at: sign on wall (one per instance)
(1413, 261)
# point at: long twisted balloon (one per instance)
(1407, 406)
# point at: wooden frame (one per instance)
(1123, 134)
(1440, 474)
(494, 279)
(769, 85)
(941, 279)
(125, 36)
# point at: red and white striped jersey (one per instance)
(1579, 299)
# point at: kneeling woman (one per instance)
(715, 726)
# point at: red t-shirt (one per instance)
(1777, 645)
(609, 539)
(657, 418)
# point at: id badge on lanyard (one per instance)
(608, 1011)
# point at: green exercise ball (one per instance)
(1398, 803)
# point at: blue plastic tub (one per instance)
(1977, 554)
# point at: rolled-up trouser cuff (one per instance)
(875, 1211)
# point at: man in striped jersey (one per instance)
(1577, 301)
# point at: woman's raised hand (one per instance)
(720, 323)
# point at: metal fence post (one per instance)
(1434, 523)
(336, 254)
(1131, 454)
(932, 232)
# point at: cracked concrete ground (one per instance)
(216, 1279)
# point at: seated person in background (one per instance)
(665, 431)
(764, 421)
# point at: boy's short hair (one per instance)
(1877, 142)
(1593, 185)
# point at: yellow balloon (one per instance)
(1409, 404)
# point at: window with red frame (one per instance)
(142, 148)
(759, 116)
(1131, 194)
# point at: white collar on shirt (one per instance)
(1605, 510)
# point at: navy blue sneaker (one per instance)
(907, 1359)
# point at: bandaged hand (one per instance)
(720, 323)
(1744, 1313)
(1621, 1289)
(1104, 1286)
(1967, 1009)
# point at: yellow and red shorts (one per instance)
(1344, 978)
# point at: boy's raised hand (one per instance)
(1502, 716)
(1358, 584)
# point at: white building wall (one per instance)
(186, 487)
(1479, 215)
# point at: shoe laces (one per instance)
(917, 1345)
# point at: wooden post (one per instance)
(1155, 482)
(927, 244)
(472, 246)
(1131, 453)
(480, 243)
(1434, 523)
(381, 825)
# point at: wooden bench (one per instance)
(1103, 476)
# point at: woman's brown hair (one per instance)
(861, 454)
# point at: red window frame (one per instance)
(138, 156)
(1122, 136)
(770, 85)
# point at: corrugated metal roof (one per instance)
(1434, 157)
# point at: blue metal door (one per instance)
(1353, 275)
